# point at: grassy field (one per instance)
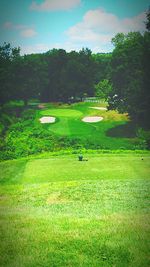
(69, 123)
(57, 211)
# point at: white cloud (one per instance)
(28, 33)
(52, 5)
(135, 24)
(95, 31)
(98, 27)
(25, 31)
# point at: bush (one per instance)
(144, 139)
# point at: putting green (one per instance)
(70, 113)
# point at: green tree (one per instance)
(127, 74)
(102, 66)
(130, 75)
(69, 74)
(103, 89)
(56, 61)
(148, 20)
(30, 77)
(7, 56)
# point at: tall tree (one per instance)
(130, 68)
(30, 76)
(7, 56)
(56, 60)
(148, 19)
(102, 66)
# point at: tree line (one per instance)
(52, 76)
(121, 77)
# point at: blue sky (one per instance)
(40, 25)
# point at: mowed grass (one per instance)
(58, 211)
(69, 123)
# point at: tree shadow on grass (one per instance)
(127, 130)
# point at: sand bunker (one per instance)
(47, 119)
(100, 108)
(92, 119)
(41, 106)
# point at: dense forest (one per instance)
(52, 76)
(122, 77)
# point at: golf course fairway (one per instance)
(58, 211)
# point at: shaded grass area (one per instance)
(127, 130)
(62, 212)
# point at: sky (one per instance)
(37, 26)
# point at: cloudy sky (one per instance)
(40, 25)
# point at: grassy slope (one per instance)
(62, 212)
(69, 124)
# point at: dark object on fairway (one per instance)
(142, 158)
(80, 157)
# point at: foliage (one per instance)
(103, 89)
(102, 61)
(70, 75)
(25, 137)
(30, 77)
(130, 76)
(144, 137)
(52, 76)
(7, 56)
(148, 19)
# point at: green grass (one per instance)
(60, 112)
(58, 211)
(69, 123)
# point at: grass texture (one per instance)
(58, 211)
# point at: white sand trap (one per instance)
(47, 119)
(41, 106)
(92, 119)
(100, 108)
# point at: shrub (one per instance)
(144, 139)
